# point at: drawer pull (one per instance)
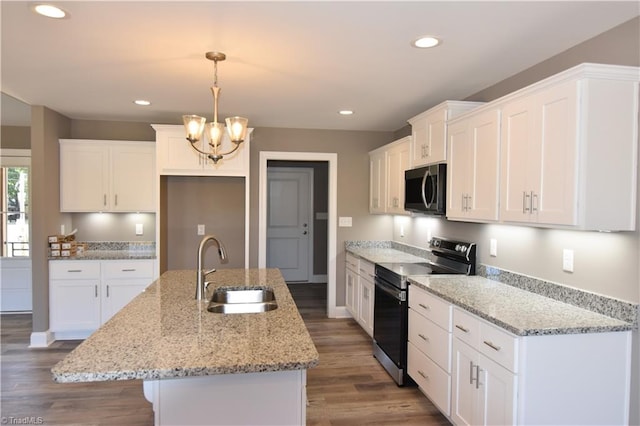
(129, 270)
(470, 372)
(423, 337)
(492, 346)
(423, 375)
(459, 327)
(96, 290)
(423, 306)
(478, 370)
(74, 270)
(107, 291)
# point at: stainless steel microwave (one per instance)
(425, 189)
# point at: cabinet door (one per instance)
(397, 163)
(133, 175)
(497, 387)
(518, 153)
(84, 177)
(420, 146)
(175, 154)
(459, 163)
(117, 293)
(74, 305)
(555, 179)
(465, 398)
(366, 305)
(377, 179)
(352, 293)
(483, 182)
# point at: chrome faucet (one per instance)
(201, 273)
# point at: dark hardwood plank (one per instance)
(349, 387)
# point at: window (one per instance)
(14, 195)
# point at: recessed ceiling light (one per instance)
(345, 112)
(425, 42)
(49, 10)
(142, 102)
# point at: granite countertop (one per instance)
(109, 255)
(164, 333)
(384, 255)
(521, 312)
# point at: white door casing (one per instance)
(332, 225)
(289, 222)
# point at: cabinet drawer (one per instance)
(498, 345)
(430, 339)
(432, 380)
(128, 269)
(466, 327)
(353, 263)
(431, 307)
(74, 269)
(367, 270)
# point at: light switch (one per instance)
(345, 221)
(200, 229)
(139, 229)
(567, 260)
(493, 247)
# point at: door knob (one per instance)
(305, 225)
(304, 233)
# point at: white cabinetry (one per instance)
(429, 347)
(175, 156)
(473, 166)
(429, 132)
(386, 177)
(501, 379)
(569, 150)
(360, 291)
(83, 294)
(100, 176)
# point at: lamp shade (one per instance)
(214, 133)
(237, 128)
(194, 126)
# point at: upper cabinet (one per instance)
(569, 150)
(387, 165)
(175, 156)
(107, 176)
(429, 132)
(473, 166)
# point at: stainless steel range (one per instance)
(390, 315)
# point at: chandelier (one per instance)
(195, 125)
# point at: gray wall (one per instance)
(15, 137)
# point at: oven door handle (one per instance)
(390, 290)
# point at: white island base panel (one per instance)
(271, 398)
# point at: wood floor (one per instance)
(349, 387)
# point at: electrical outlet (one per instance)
(493, 247)
(345, 221)
(567, 260)
(139, 229)
(200, 229)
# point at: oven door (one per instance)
(390, 321)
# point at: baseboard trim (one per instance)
(41, 339)
(341, 312)
(318, 278)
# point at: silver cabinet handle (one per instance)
(104, 200)
(525, 202)
(420, 372)
(478, 369)
(470, 372)
(116, 199)
(107, 291)
(129, 270)
(423, 337)
(534, 205)
(492, 345)
(459, 327)
(74, 270)
(95, 287)
(425, 307)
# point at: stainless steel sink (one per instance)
(227, 300)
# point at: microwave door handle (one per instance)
(424, 185)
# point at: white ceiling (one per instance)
(289, 64)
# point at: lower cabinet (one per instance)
(502, 379)
(84, 294)
(360, 291)
(429, 346)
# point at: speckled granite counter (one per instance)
(384, 251)
(109, 255)
(518, 311)
(165, 333)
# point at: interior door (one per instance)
(289, 221)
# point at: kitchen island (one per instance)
(200, 367)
